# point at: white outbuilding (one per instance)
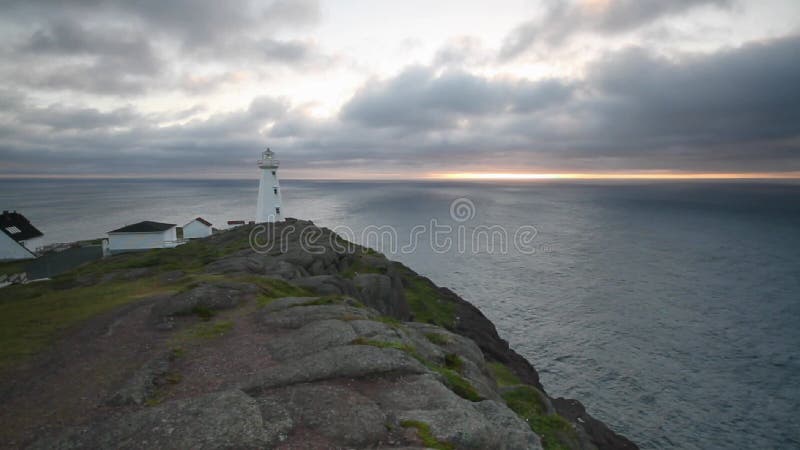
(142, 236)
(197, 228)
(19, 239)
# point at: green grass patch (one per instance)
(426, 436)
(437, 338)
(383, 344)
(459, 384)
(333, 300)
(391, 321)
(203, 312)
(426, 303)
(454, 362)
(359, 266)
(12, 267)
(173, 377)
(154, 400)
(205, 330)
(189, 257)
(275, 289)
(503, 375)
(555, 431)
(32, 315)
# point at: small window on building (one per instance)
(277, 210)
(275, 190)
(273, 172)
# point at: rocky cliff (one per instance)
(309, 343)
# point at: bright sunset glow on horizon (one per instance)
(616, 176)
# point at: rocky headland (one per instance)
(215, 345)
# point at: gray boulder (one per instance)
(343, 416)
(486, 424)
(311, 338)
(327, 285)
(142, 384)
(351, 361)
(219, 295)
(299, 316)
(257, 265)
(383, 293)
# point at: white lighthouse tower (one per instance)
(269, 191)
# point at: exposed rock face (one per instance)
(220, 295)
(299, 349)
(384, 293)
(228, 419)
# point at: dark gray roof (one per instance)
(203, 221)
(144, 227)
(17, 227)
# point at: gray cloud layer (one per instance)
(562, 20)
(129, 48)
(731, 110)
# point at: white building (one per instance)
(197, 228)
(18, 237)
(269, 190)
(142, 236)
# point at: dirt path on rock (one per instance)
(66, 384)
(69, 384)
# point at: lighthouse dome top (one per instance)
(268, 160)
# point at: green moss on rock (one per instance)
(452, 379)
(555, 431)
(426, 436)
(503, 376)
(426, 304)
(437, 338)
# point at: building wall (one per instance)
(195, 229)
(269, 202)
(140, 241)
(33, 244)
(10, 249)
(171, 235)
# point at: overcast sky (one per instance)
(395, 89)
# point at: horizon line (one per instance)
(448, 176)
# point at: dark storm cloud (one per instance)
(64, 38)
(196, 22)
(735, 109)
(128, 48)
(418, 98)
(750, 94)
(562, 20)
(62, 54)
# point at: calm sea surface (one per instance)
(671, 310)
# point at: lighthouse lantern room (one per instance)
(269, 190)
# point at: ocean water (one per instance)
(671, 310)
